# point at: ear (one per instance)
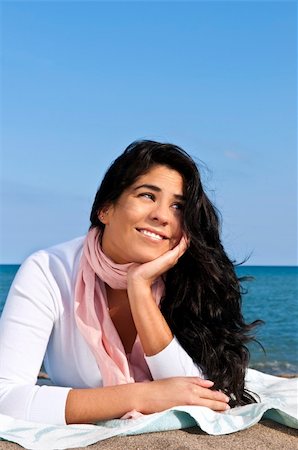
(103, 214)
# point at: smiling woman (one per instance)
(148, 215)
(134, 317)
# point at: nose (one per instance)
(160, 213)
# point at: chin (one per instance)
(150, 256)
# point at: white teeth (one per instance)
(152, 235)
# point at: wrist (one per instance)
(143, 396)
(137, 288)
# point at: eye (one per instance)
(147, 195)
(178, 206)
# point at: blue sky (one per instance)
(81, 80)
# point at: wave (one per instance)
(275, 367)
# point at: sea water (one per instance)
(272, 296)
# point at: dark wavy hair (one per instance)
(202, 301)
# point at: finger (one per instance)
(168, 259)
(183, 245)
(179, 249)
(205, 383)
(208, 394)
(214, 405)
(161, 264)
(187, 239)
(201, 381)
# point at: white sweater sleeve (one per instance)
(25, 327)
(172, 361)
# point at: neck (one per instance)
(117, 298)
(120, 313)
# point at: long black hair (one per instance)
(202, 301)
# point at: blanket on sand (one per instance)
(278, 402)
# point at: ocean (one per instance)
(272, 296)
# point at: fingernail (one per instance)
(227, 407)
(227, 399)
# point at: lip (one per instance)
(158, 233)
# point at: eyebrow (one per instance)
(154, 188)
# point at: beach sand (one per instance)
(266, 435)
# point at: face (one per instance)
(146, 220)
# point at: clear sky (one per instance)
(81, 80)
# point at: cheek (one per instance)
(134, 212)
(179, 228)
(127, 212)
(177, 235)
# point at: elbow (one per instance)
(15, 399)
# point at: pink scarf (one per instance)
(93, 318)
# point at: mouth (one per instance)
(152, 234)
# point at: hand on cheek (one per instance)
(149, 271)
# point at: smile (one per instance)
(151, 234)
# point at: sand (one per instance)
(266, 435)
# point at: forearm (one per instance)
(173, 361)
(93, 405)
(104, 403)
(152, 328)
(164, 354)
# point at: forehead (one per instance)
(162, 177)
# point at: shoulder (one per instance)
(46, 279)
(61, 258)
(66, 251)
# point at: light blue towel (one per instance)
(278, 403)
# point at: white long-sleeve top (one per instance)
(38, 324)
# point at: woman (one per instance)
(136, 316)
